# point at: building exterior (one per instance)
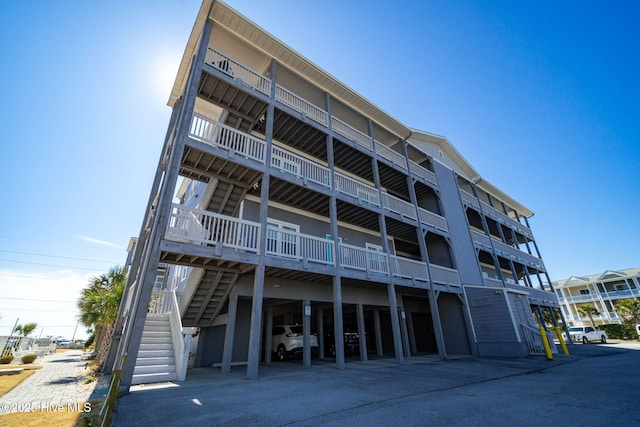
(601, 290)
(300, 202)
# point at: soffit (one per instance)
(224, 15)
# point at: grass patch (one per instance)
(9, 382)
(69, 416)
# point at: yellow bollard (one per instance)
(563, 344)
(545, 342)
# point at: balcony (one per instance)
(198, 227)
(235, 143)
(490, 211)
(509, 252)
(244, 76)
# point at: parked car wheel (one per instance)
(585, 340)
(282, 352)
(603, 339)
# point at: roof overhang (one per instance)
(223, 15)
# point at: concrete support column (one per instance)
(395, 322)
(338, 327)
(405, 333)
(320, 329)
(306, 333)
(412, 334)
(227, 350)
(255, 330)
(362, 333)
(376, 323)
(268, 340)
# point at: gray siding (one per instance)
(462, 245)
(454, 328)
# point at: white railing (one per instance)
(199, 226)
(19, 346)
(409, 268)
(289, 244)
(506, 219)
(444, 275)
(301, 105)
(238, 71)
(391, 155)
(181, 342)
(357, 258)
(160, 302)
(399, 206)
(214, 133)
(430, 218)
(423, 173)
(533, 339)
(351, 133)
(299, 166)
(470, 199)
(357, 189)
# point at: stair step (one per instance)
(154, 369)
(153, 378)
(143, 354)
(146, 361)
(160, 339)
(153, 346)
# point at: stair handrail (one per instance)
(181, 341)
(534, 339)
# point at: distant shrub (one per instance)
(5, 360)
(29, 358)
(621, 332)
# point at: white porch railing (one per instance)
(200, 226)
(423, 173)
(433, 219)
(301, 105)
(470, 199)
(300, 246)
(160, 302)
(238, 71)
(181, 341)
(391, 155)
(534, 340)
(444, 275)
(288, 162)
(363, 259)
(399, 206)
(351, 133)
(214, 133)
(409, 268)
(357, 189)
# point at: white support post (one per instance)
(362, 335)
(227, 351)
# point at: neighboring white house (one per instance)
(602, 290)
(301, 202)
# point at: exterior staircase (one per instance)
(156, 360)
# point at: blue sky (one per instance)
(541, 98)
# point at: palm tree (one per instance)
(99, 303)
(26, 329)
(629, 310)
(589, 310)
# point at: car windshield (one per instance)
(575, 329)
(296, 329)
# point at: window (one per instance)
(584, 292)
(159, 282)
(282, 238)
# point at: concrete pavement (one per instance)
(60, 381)
(596, 385)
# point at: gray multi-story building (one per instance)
(301, 202)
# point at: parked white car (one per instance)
(586, 334)
(287, 341)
